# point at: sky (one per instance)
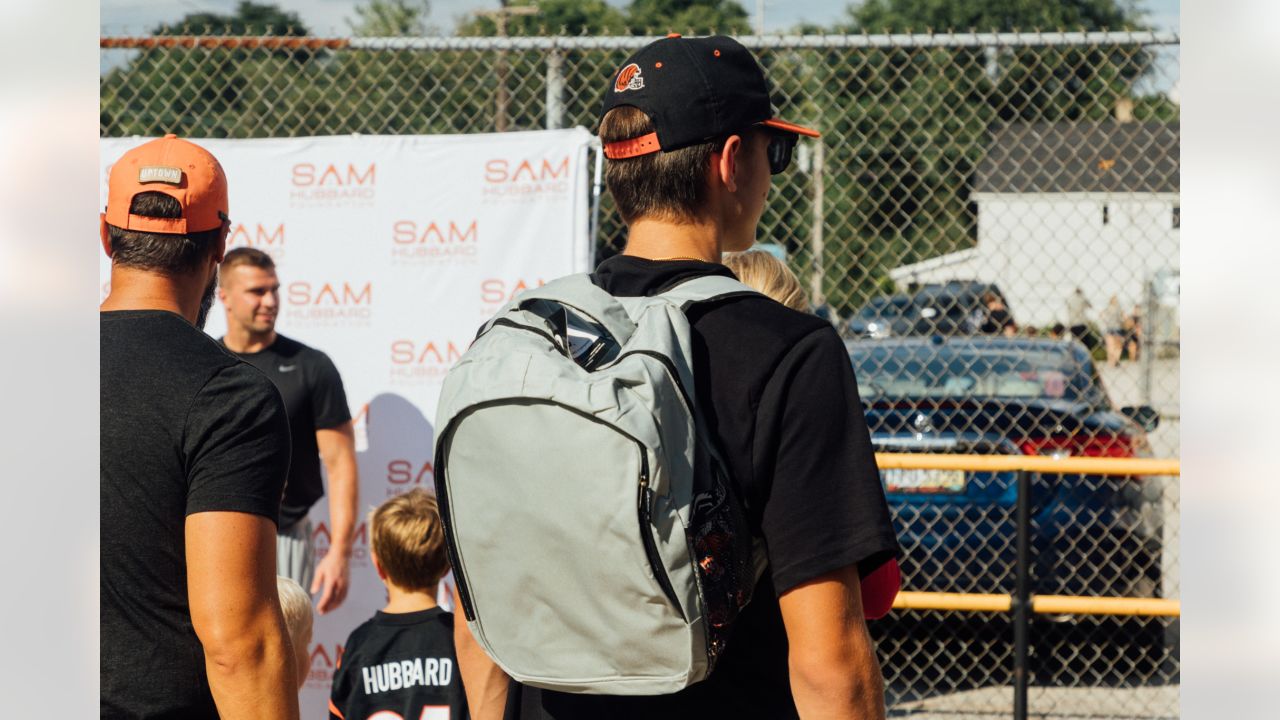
(326, 17)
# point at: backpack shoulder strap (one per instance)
(704, 289)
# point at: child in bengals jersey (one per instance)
(400, 665)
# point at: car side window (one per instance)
(1092, 390)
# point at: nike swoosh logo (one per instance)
(287, 368)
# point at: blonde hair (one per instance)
(295, 605)
(762, 271)
(406, 536)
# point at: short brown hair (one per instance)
(762, 271)
(165, 253)
(407, 538)
(252, 257)
(664, 185)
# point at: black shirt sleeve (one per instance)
(237, 445)
(328, 397)
(340, 690)
(826, 507)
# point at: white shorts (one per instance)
(295, 555)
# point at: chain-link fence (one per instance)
(992, 221)
(1087, 537)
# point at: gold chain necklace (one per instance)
(682, 257)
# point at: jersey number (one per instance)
(430, 712)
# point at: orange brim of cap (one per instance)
(791, 128)
(646, 144)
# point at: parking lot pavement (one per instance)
(1126, 385)
(1077, 703)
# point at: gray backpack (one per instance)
(597, 544)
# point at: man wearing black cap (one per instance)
(692, 142)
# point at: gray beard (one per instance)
(206, 302)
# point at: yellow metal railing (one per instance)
(1045, 604)
(1030, 463)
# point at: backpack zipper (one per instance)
(512, 324)
(666, 363)
(446, 524)
(645, 509)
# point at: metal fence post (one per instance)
(817, 296)
(1146, 340)
(597, 186)
(555, 89)
(1022, 599)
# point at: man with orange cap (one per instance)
(194, 452)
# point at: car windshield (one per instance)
(882, 307)
(949, 303)
(941, 371)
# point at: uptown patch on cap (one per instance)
(178, 168)
(693, 90)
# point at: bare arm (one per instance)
(338, 453)
(834, 672)
(482, 679)
(231, 586)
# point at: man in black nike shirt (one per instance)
(692, 141)
(319, 422)
(194, 451)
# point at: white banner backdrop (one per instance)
(391, 251)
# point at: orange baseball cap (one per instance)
(178, 168)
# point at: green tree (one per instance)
(596, 17)
(697, 17)
(202, 93)
(515, 80)
(391, 18)
(1038, 82)
(991, 15)
(554, 17)
(906, 127)
(250, 18)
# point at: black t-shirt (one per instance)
(185, 428)
(777, 389)
(403, 663)
(315, 399)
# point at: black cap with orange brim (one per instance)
(694, 90)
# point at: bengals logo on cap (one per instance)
(628, 79)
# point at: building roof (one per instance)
(1105, 156)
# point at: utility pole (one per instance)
(500, 66)
(760, 18)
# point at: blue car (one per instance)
(987, 395)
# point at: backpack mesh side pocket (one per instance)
(721, 541)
